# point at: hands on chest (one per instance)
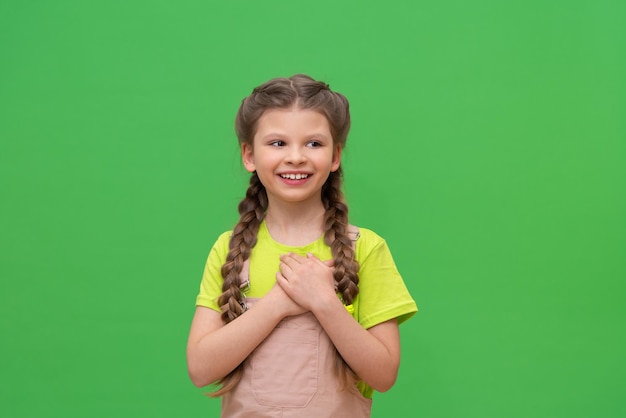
(307, 280)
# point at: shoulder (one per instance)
(364, 236)
(224, 236)
(220, 246)
(366, 240)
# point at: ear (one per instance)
(336, 159)
(247, 156)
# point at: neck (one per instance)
(295, 224)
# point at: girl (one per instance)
(298, 311)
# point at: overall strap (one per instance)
(354, 234)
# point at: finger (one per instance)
(284, 267)
(327, 263)
(297, 257)
(281, 280)
(292, 260)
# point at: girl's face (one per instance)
(293, 154)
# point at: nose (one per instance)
(296, 156)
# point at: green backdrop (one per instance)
(488, 148)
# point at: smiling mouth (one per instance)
(294, 176)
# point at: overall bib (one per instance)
(291, 374)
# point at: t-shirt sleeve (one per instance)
(382, 292)
(211, 285)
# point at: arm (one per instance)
(373, 354)
(215, 349)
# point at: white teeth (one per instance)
(294, 176)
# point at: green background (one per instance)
(488, 147)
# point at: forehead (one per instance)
(292, 120)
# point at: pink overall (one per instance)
(291, 374)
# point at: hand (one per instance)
(281, 301)
(306, 280)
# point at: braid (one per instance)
(251, 213)
(346, 266)
(336, 237)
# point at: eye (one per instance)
(314, 144)
(277, 143)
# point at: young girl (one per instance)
(298, 311)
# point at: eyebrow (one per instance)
(283, 135)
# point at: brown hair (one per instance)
(280, 93)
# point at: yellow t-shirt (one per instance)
(382, 293)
